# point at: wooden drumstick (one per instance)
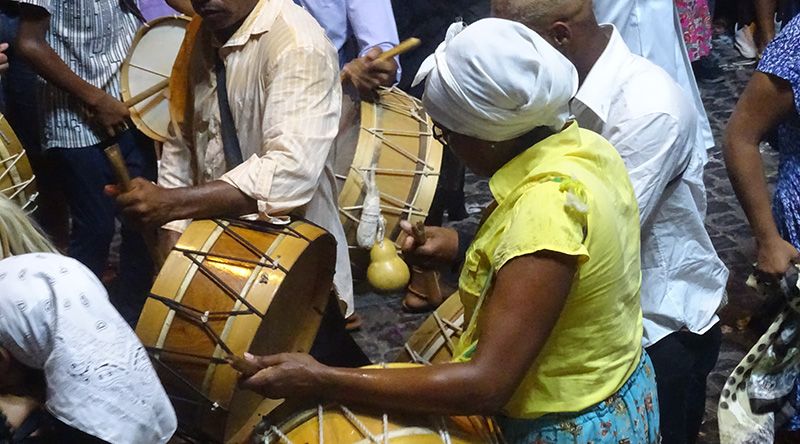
(404, 47)
(418, 231)
(118, 165)
(243, 366)
(149, 92)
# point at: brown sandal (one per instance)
(424, 291)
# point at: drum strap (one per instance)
(230, 140)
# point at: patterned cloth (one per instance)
(55, 316)
(695, 17)
(782, 59)
(629, 416)
(93, 38)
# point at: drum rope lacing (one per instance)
(201, 318)
(21, 185)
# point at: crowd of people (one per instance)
(591, 287)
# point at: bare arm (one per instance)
(766, 102)
(109, 112)
(529, 294)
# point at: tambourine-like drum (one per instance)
(434, 341)
(230, 287)
(396, 142)
(17, 181)
(149, 63)
(339, 424)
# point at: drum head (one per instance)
(149, 62)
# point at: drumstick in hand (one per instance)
(404, 47)
(243, 366)
(418, 231)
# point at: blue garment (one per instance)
(630, 415)
(370, 23)
(782, 59)
(93, 215)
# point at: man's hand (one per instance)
(441, 245)
(295, 375)
(146, 204)
(367, 73)
(109, 113)
(775, 257)
(3, 58)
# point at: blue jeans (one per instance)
(629, 416)
(83, 173)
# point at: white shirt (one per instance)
(55, 316)
(93, 38)
(652, 29)
(285, 97)
(652, 124)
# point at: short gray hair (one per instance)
(536, 14)
(19, 234)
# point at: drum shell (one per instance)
(293, 298)
(402, 428)
(144, 67)
(396, 133)
(434, 339)
(17, 181)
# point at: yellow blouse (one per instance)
(570, 194)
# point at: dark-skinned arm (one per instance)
(32, 45)
(765, 103)
(528, 297)
(150, 205)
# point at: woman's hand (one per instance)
(775, 256)
(440, 246)
(295, 375)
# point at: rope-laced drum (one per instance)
(395, 143)
(340, 424)
(146, 71)
(230, 287)
(434, 341)
(17, 181)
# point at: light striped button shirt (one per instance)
(93, 38)
(285, 97)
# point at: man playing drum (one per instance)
(283, 93)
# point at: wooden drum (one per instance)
(17, 181)
(339, 424)
(149, 63)
(230, 287)
(434, 341)
(396, 142)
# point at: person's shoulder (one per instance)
(39, 262)
(651, 91)
(298, 29)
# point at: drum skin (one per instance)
(397, 134)
(434, 340)
(17, 181)
(339, 427)
(231, 286)
(150, 60)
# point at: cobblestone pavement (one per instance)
(386, 327)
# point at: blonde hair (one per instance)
(18, 233)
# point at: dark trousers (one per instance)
(682, 362)
(84, 173)
(334, 346)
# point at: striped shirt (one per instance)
(93, 38)
(285, 98)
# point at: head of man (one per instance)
(224, 16)
(494, 89)
(569, 25)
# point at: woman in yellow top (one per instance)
(551, 281)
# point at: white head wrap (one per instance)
(496, 80)
(55, 316)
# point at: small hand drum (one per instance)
(230, 287)
(17, 181)
(396, 142)
(434, 341)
